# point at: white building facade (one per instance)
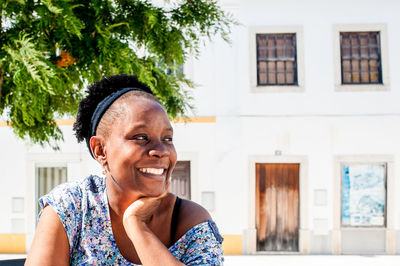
(294, 144)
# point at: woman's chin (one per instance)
(154, 192)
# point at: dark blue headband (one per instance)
(101, 109)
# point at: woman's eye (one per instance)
(140, 137)
(168, 139)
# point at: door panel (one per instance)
(277, 207)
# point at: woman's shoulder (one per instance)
(71, 193)
(190, 215)
(199, 241)
(91, 184)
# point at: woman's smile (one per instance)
(159, 173)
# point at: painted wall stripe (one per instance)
(232, 244)
(12, 243)
(3, 124)
(194, 119)
(15, 243)
(65, 122)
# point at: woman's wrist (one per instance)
(135, 227)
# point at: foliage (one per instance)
(51, 49)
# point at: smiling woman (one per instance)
(128, 216)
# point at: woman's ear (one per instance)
(98, 149)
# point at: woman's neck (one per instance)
(119, 200)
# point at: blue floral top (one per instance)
(83, 209)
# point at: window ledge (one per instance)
(361, 87)
(277, 89)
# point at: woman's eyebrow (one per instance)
(136, 127)
(144, 126)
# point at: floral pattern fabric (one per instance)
(83, 209)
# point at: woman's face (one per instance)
(139, 149)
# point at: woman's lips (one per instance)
(153, 172)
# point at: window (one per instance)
(47, 178)
(276, 59)
(364, 194)
(360, 57)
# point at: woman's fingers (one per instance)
(143, 208)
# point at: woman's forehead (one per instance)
(140, 107)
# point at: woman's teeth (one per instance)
(154, 171)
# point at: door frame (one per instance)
(250, 234)
(391, 206)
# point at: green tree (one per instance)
(51, 49)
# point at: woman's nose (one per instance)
(159, 150)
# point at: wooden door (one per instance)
(277, 207)
(180, 180)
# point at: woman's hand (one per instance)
(142, 209)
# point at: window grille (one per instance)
(360, 58)
(276, 59)
(47, 178)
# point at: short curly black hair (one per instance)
(96, 92)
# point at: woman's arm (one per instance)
(50, 244)
(149, 248)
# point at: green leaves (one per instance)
(36, 93)
(51, 7)
(25, 57)
(51, 49)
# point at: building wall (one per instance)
(317, 126)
